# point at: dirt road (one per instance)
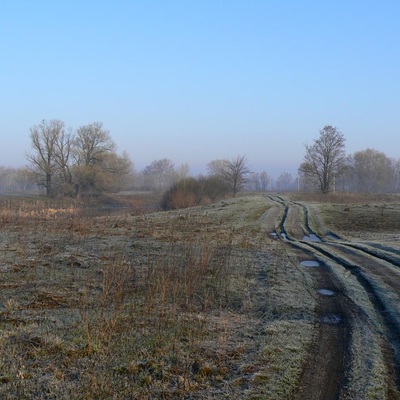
(358, 287)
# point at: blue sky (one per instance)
(195, 80)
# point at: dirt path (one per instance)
(324, 373)
(345, 323)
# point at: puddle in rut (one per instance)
(331, 319)
(309, 263)
(326, 292)
(311, 238)
(283, 236)
(274, 234)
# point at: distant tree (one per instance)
(64, 147)
(113, 172)
(264, 181)
(159, 173)
(8, 179)
(216, 167)
(284, 181)
(44, 139)
(396, 179)
(183, 171)
(344, 178)
(373, 171)
(253, 182)
(23, 179)
(91, 144)
(258, 181)
(67, 164)
(234, 172)
(324, 159)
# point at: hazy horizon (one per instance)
(198, 81)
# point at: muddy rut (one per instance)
(348, 328)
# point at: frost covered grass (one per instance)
(156, 305)
(194, 303)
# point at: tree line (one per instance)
(64, 162)
(71, 163)
(326, 167)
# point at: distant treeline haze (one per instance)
(63, 162)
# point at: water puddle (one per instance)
(274, 234)
(283, 236)
(309, 264)
(326, 292)
(311, 238)
(331, 319)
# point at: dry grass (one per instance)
(355, 216)
(195, 303)
(162, 305)
(344, 197)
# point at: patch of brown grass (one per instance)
(163, 305)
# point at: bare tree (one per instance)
(44, 143)
(159, 173)
(91, 143)
(234, 172)
(284, 181)
(182, 172)
(324, 159)
(216, 167)
(396, 178)
(63, 160)
(113, 171)
(67, 163)
(253, 182)
(15, 179)
(373, 171)
(264, 181)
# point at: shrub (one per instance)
(190, 192)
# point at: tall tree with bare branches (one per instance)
(64, 147)
(91, 144)
(325, 158)
(234, 172)
(159, 173)
(373, 171)
(44, 148)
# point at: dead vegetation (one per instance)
(181, 304)
(195, 303)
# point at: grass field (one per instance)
(195, 303)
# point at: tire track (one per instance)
(367, 265)
(370, 265)
(324, 376)
(382, 304)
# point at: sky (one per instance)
(199, 80)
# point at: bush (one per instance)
(190, 192)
